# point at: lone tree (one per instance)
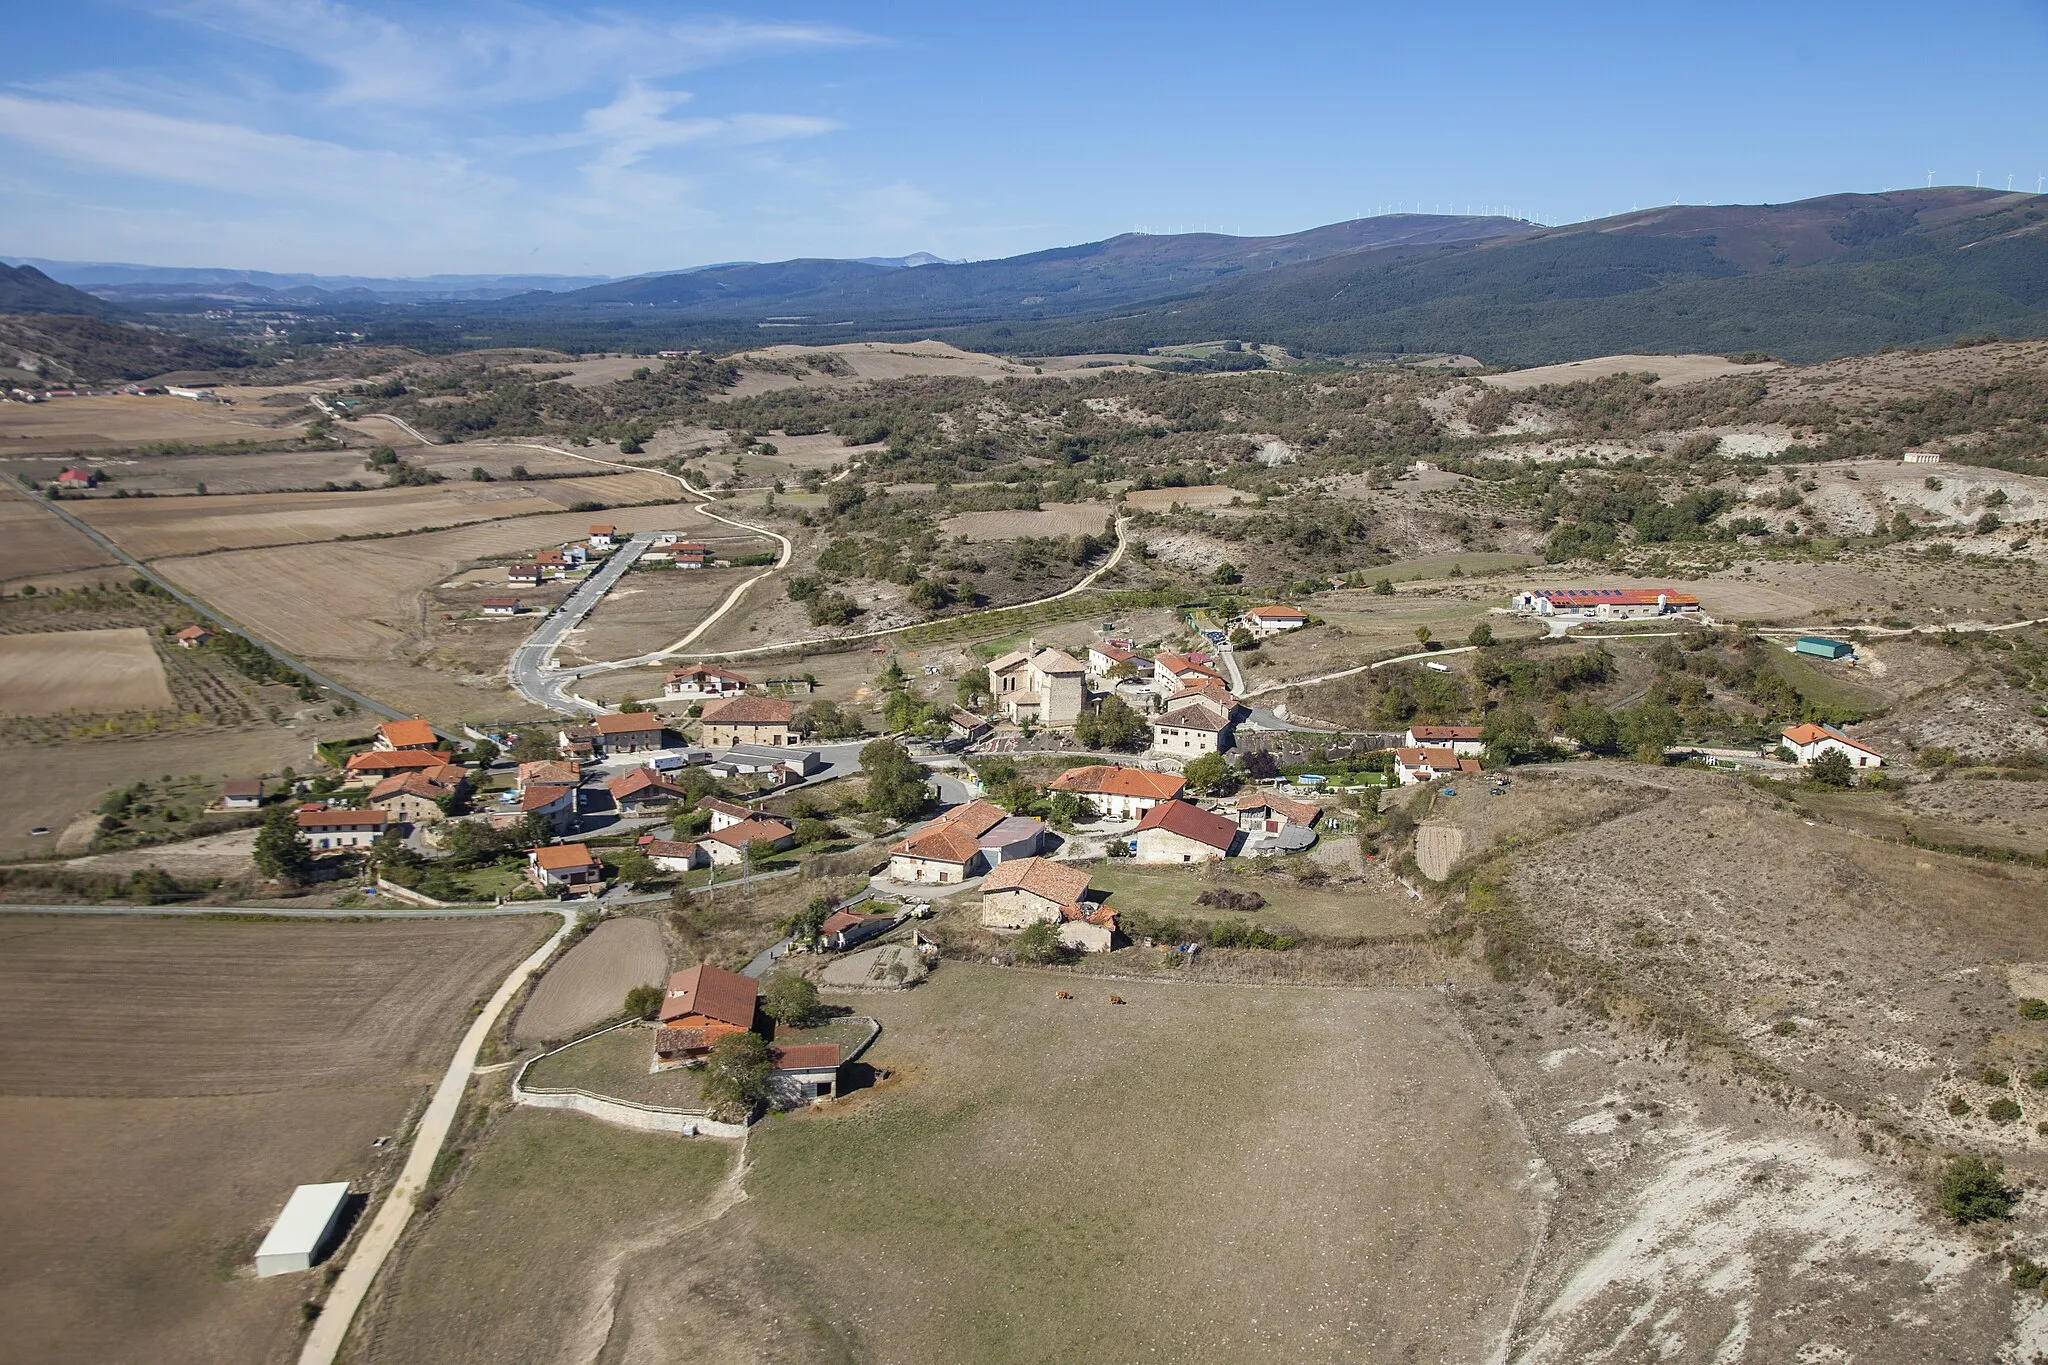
(790, 999)
(282, 853)
(1831, 769)
(1482, 635)
(1422, 636)
(1112, 725)
(1973, 1190)
(736, 1075)
(1212, 773)
(895, 781)
(643, 1001)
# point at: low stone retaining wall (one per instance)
(626, 1114)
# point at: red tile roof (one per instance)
(563, 857)
(758, 829)
(711, 992)
(952, 838)
(1444, 734)
(669, 848)
(1060, 883)
(1277, 612)
(805, 1056)
(388, 761)
(1299, 812)
(409, 734)
(335, 819)
(1108, 780)
(1199, 714)
(541, 795)
(638, 781)
(1190, 822)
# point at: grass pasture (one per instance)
(1342, 912)
(87, 671)
(1037, 1180)
(150, 1147)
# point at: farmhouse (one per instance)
(700, 1006)
(374, 764)
(557, 805)
(332, 829)
(501, 606)
(1820, 647)
(1198, 726)
(747, 720)
(699, 681)
(548, 772)
(415, 798)
(1269, 621)
(78, 478)
(750, 839)
(1268, 813)
(396, 735)
(630, 734)
(642, 788)
(1427, 763)
(1119, 793)
(967, 728)
(803, 1074)
(1462, 740)
(1808, 742)
(244, 793)
(725, 814)
(961, 842)
(673, 855)
(1088, 928)
(1606, 604)
(1172, 673)
(1108, 657)
(1046, 686)
(603, 537)
(688, 554)
(563, 867)
(1030, 891)
(1177, 832)
(523, 575)
(577, 741)
(191, 637)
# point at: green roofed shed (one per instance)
(1821, 648)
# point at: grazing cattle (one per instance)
(1116, 1000)
(1065, 995)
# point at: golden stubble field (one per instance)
(88, 671)
(148, 1153)
(124, 419)
(149, 528)
(1208, 1173)
(40, 545)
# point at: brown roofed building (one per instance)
(642, 787)
(620, 733)
(673, 855)
(1023, 891)
(374, 764)
(191, 637)
(549, 772)
(1200, 726)
(1177, 832)
(1117, 792)
(333, 829)
(406, 734)
(707, 1002)
(754, 839)
(415, 798)
(1266, 813)
(948, 850)
(747, 720)
(245, 793)
(698, 681)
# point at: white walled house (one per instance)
(1193, 728)
(1462, 740)
(326, 830)
(1269, 621)
(1809, 742)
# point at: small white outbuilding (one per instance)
(305, 1225)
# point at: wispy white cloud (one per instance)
(229, 157)
(514, 54)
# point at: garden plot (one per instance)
(1052, 520)
(589, 984)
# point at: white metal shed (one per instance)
(307, 1221)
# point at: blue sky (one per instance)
(354, 136)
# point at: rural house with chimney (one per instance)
(737, 721)
(698, 1007)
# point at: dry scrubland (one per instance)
(1031, 1183)
(149, 1153)
(87, 671)
(859, 362)
(1669, 369)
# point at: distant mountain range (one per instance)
(1804, 281)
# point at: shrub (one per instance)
(643, 1001)
(1957, 1106)
(1231, 900)
(1039, 943)
(2038, 1078)
(1785, 1028)
(2004, 1109)
(2032, 1008)
(1973, 1190)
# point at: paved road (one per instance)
(324, 1341)
(367, 703)
(532, 674)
